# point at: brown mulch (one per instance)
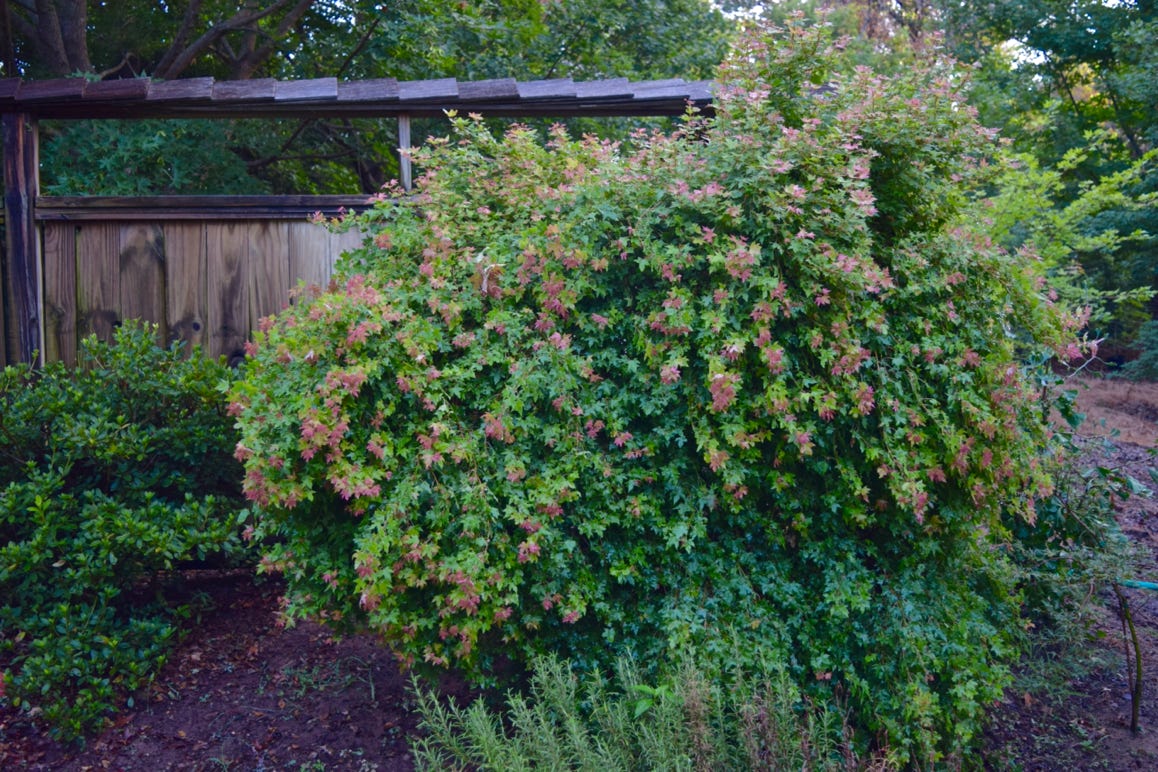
(243, 692)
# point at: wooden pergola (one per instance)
(24, 104)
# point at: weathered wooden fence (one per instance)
(205, 270)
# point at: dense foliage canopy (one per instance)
(744, 392)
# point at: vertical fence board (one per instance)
(3, 308)
(267, 270)
(60, 301)
(309, 254)
(141, 261)
(3, 316)
(186, 295)
(23, 280)
(227, 248)
(98, 277)
(342, 242)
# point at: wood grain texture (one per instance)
(206, 284)
(3, 331)
(193, 207)
(310, 255)
(227, 317)
(267, 270)
(60, 301)
(71, 98)
(22, 270)
(186, 283)
(316, 88)
(98, 279)
(182, 89)
(142, 267)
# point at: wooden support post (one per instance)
(24, 288)
(403, 151)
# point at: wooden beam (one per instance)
(136, 208)
(21, 185)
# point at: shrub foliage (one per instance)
(745, 390)
(108, 475)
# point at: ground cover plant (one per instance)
(109, 474)
(749, 392)
(686, 723)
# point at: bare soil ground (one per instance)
(1086, 724)
(243, 693)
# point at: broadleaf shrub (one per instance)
(109, 473)
(748, 390)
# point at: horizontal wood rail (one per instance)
(167, 208)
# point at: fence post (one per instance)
(21, 186)
(403, 150)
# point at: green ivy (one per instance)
(109, 474)
(748, 390)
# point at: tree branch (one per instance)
(249, 63)
(48, 40)
(238, 21)
(74, 34)
(359, 48)
(180, 39)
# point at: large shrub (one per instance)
(109, 474)
(744, 391)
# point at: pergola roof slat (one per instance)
(538, 90)
(183, 90)
(8, 88)
(376, 90)
(500, 89)
(428, 90)
(71, 98)
(46, 90)
(303, 90)
(615, 88)
(259, 90)
(125, 88)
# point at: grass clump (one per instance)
(687, 722)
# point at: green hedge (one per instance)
(109, 474)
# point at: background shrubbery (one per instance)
(109, 474)
(747, 393)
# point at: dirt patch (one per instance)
(1084, 723)
(1118, 409)
(242, 692)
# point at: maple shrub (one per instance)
(744, 391)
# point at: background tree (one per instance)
(1073, 88)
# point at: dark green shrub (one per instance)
(746, 391)
(109, 474)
